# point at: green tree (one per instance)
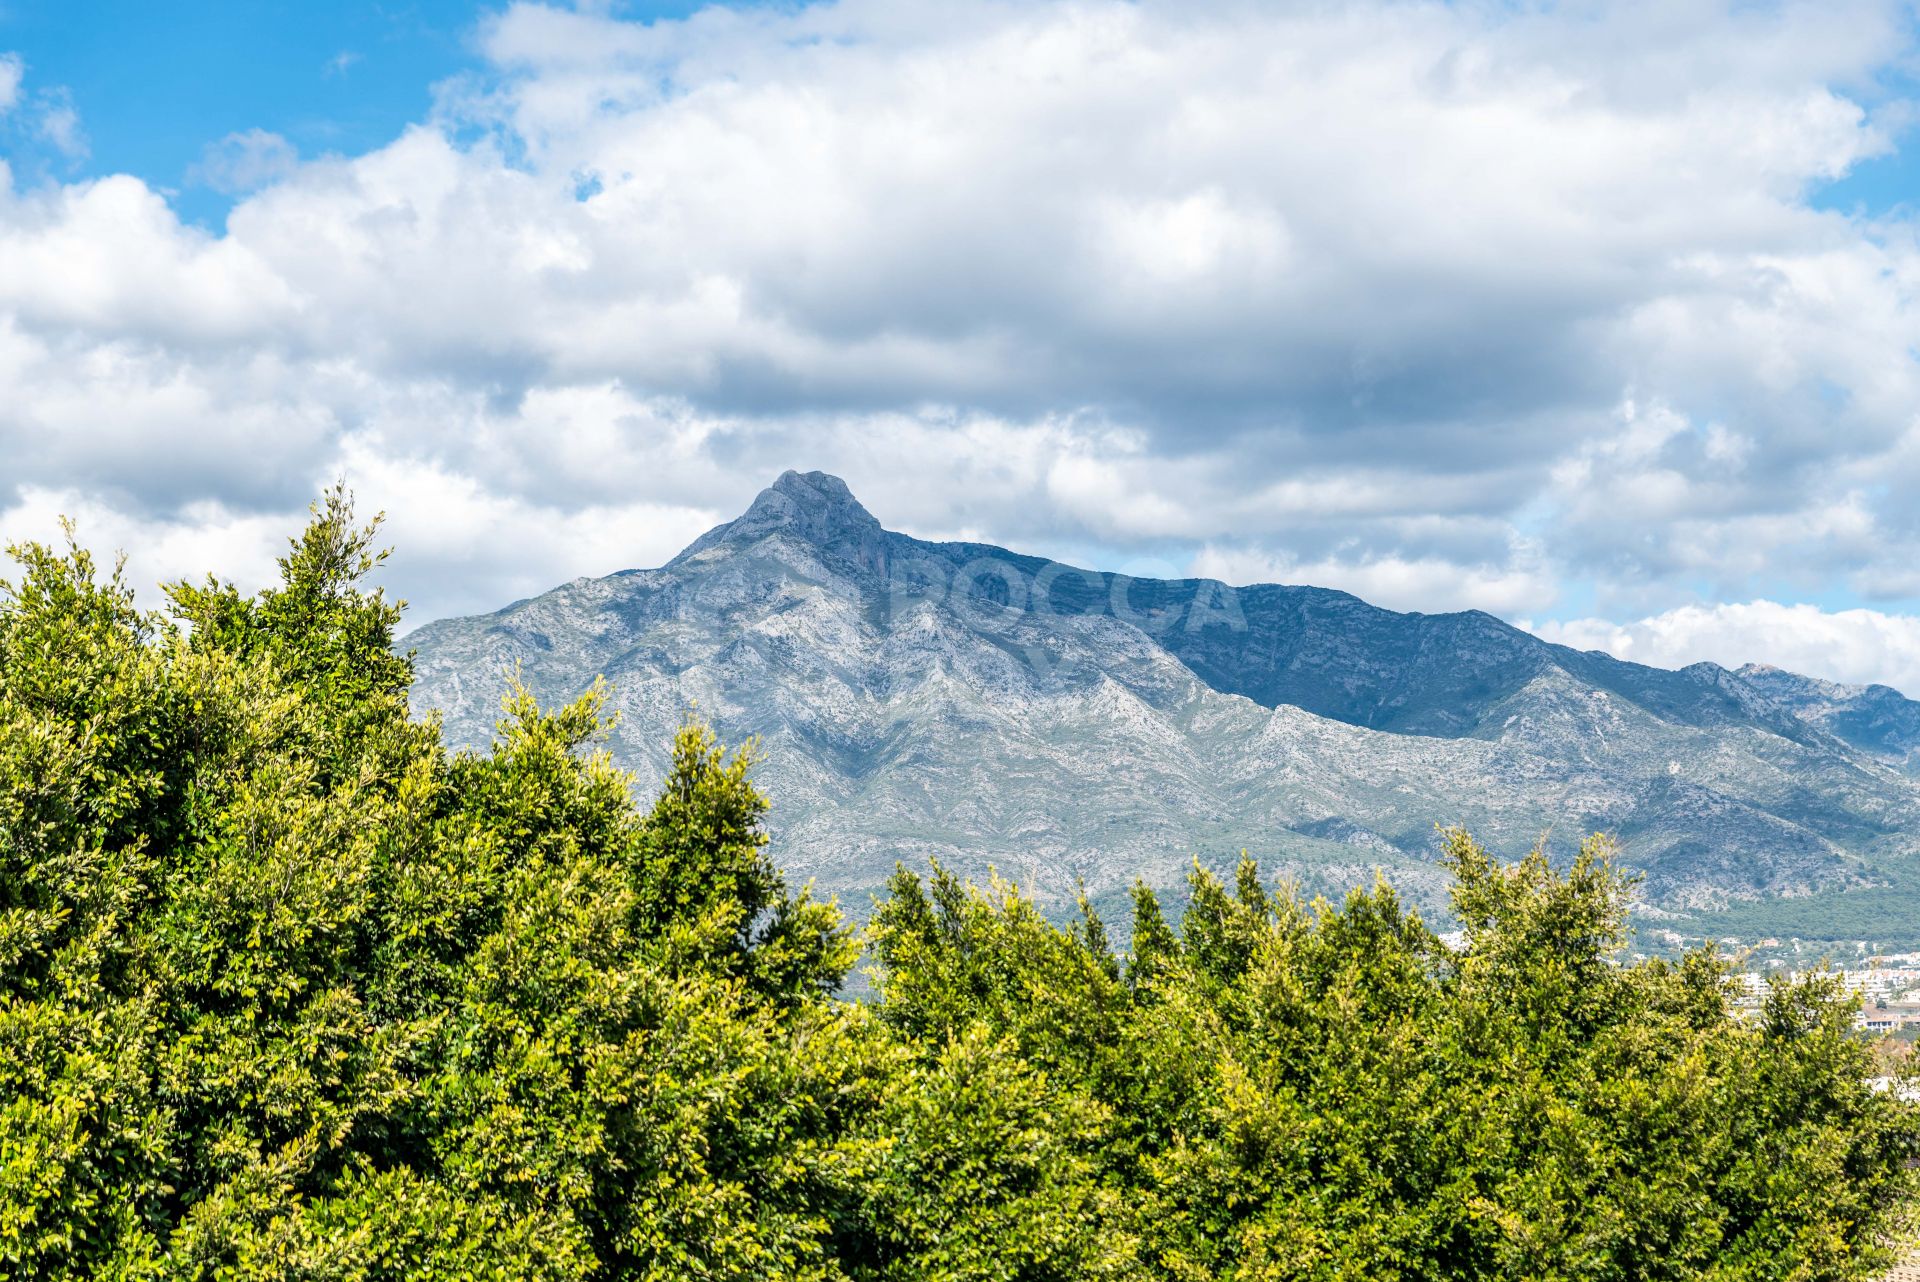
(289, 991)
(285, 989)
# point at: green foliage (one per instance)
(286, 990)
(1304, 1091)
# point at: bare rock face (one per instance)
(1064, 726)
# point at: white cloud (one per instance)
(1430, 584)
(12, 72)
(1447, 305)
(106, 262)
(245, 161)
(1853, 646)
(47, 115)
(59, 124)
(461, 545)
(181, 545)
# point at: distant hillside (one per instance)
(965, 702)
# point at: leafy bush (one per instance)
(288, 991)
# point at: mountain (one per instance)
(1875, 718)
(1062, 725)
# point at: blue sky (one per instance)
(1601, 317)
(1877, 187)
(157, 84)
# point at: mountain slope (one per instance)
(960, 701)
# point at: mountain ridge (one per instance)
(990, 708)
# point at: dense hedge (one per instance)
(288, 991)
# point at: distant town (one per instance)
(1888, 984)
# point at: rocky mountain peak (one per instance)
(1323, 734)
(814, 506)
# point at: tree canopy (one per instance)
(287, 990)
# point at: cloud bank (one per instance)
(1528, 309)
(1856, 646)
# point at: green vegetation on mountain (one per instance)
(289, 991)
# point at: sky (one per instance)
(1604, 318)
